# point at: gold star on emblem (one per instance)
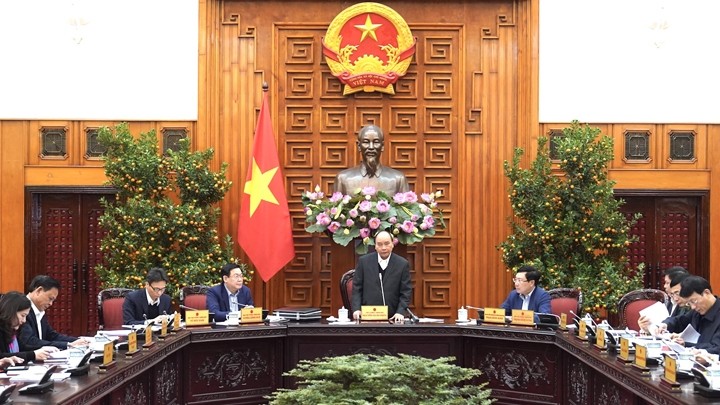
(368, 28)
(258, 187)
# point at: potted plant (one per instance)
(567, 222)
(375, 379)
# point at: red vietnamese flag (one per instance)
(264, 227)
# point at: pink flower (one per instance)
(383, 206)
(353, 213)
(334, 226)
(429, 221)
(365, 206)
(411, 197)
(322, 219)
(392, 220)
(349, 222)
(374, 223)
(364, 233)
(414, 218)
(337, 196)
(407, 227)
(369, 190)
(333, 210)
(428, 198)
(399, 198)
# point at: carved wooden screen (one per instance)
(317, 133)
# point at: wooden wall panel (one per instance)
(452, 122)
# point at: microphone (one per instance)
(413, 317)
(185, 307)
(382, 289)
(575, 315)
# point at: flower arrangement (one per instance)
(369, 211)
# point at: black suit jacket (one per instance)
(30, 338)
(5, 340)
(396, 283)
(136, 305)
(707, 325)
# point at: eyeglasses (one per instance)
(519, 280)
(158, 290)
(693, 301)
(674, 293)
(236, 276)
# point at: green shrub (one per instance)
(371, 379)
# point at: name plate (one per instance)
(108, 353)
(563, 321)
(374, 312)
(582, 330)
(624, 349)
(640, 356)
(494, 315)
(132, 341)
(523, 317)
(600, 338)
(148, 334)
(176, 321)
(251, 315)
(670, 369)
(197, 318)
(164, 327)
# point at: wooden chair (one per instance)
(564, 300)
(346, 288)
(110, 307)
(632, 303)
(193, 296)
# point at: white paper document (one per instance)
(656, 313)
(690, 335)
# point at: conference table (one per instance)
(243, 364)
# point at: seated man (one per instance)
(385, 270)
(527, 295)
(704, 315)
(679, 304)
(149, 303)
(672, 304)
(229, 296)
(37, 331)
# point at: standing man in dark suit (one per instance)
(527, 295)
(382, 269)
(149, 303)
(37, 331)
(229, 296)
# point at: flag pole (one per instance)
(266, 300)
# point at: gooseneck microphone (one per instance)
(413, 317)
(382, 288)
(188, 308)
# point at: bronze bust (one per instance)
(371, 144)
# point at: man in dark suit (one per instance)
(677, 305)
(527, 295)
(385, 270)
(704, 315)
(669, 274)
(37, 331)
(229, 296)
(149, 303)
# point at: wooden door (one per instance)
(64, 243)
(670, 233)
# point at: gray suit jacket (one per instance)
(396, 283)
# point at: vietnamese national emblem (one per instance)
(368, 47)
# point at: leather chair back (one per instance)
(632, 303)
(346, 287)
(110, 307)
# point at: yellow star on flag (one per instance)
(368, 29)
(258, 187)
